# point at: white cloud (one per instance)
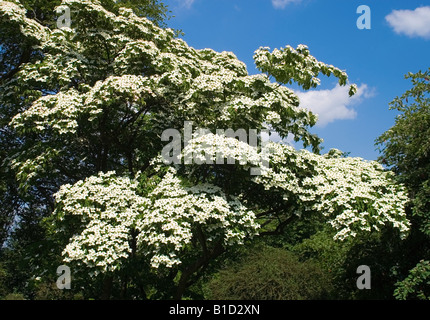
(334, 104)
(413, 23)
(275, 137)
(281, 4)
(186, 3)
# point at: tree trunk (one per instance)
(184, 282)
(107, 288)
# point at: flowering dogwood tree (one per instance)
(91, 112)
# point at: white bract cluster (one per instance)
(290, 65)
(15, 13)
(355, 195)
(176, 214)
(165, 220)
(209, 148)
(108, 207)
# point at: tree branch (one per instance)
(280, 227)
(193, 268)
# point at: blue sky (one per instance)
(376, 59)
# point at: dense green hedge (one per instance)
(268, 273)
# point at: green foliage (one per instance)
(312, 240)
(268, 273)
(3, 285)
(416, 286)
(321, 247)
(14, 296)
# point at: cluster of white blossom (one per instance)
(212, 148)
(15, 13)
(61, 111)
(118, 90)
(174, 213)
(355, 195)
(166, 219)
(57, 112)
(289, 64)
(13, 10)
(360, 195)
(108, 207)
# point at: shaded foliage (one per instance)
(269, 273)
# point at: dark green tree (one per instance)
(405, 148)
